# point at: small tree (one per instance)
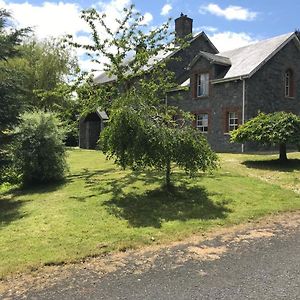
(143, 136)
(141, 132)
(279, 128)
(39, 152)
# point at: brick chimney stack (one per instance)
(183, 26)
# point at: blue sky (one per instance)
(229, 23)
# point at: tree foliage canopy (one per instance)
(279, 128)
(10, 81)
(143, 136)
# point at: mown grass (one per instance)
(101, 208)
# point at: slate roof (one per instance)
(247, 60)
(214, 58)
(243, 62)
(104, 78)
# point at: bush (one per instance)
(39, 152)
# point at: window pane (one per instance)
(202, 122)
(202, 84)
(232, 121)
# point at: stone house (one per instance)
(223, 90)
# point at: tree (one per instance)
(39, 152)
(141, 132)
(279, 128)
(48, 67)
(11, 93)
(10, 106)
(146, 136)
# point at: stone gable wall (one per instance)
(265, 90)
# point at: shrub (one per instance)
(39, 152)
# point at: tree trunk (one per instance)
(282, 152)
(168, 175)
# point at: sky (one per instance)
(228, 23)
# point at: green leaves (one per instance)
(39, 152)
(279, 128)
(141, 136)
(273, 128)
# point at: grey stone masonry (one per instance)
(264, 91)
(241, 83)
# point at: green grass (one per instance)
(101, 208)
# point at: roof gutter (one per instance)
(222, 80)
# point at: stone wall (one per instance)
(222, 98)
(182, 58)
(264, 91)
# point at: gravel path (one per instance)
(260, 261)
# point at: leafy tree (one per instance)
(142, 136)
(11, 93)
(141, 132)
(48, 68)
(39, 152)
(10, 39)
(279, 128)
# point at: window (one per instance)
(202, 122)
(202, 84)
(232, 121)
(289, 84)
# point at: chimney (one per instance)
(183, 26)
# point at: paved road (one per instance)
(260, 263)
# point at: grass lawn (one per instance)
(101, 208)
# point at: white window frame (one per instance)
(202, 84)
(233, 121)
(202, 122)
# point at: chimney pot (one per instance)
(183, 26)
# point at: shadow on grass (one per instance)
(89, 176)
(10, 211)
(111, 181)
(34, 189)
(157, 206)
(274, 165)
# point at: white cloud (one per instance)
(147, 19)
(59, 18)
(230, 13)
(166, 9)
(48, 19)
(228, 40)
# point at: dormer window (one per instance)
(202, 84)
(289, 83)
